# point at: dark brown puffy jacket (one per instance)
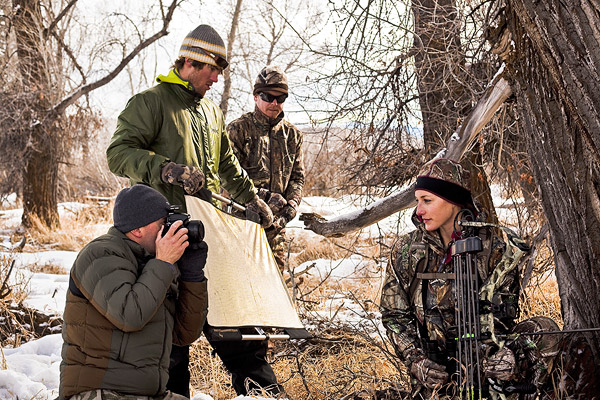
(124, 311)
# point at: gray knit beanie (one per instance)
(204, 44)
(138, 206)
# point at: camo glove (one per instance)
(262, 209)
(285, 216)
(263, 194)
(191, 178)
(501, 365)
(192, 262)
(274, 200)
(276, 203)
(430, 374)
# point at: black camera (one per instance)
(195, 227)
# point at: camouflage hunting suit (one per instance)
(419, 312)
(271, 153)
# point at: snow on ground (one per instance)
(31, 371)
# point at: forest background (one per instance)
(378, 86)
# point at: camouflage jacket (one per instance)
(417, 321)
(271, 152)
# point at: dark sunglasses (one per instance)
(269, 97)
(220, 61)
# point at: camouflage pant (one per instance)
(103, 394)
(278, 244)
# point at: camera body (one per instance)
(195, 227)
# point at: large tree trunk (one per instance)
(40, 178)
(40, 181)
(440, 70)
(556, 72)
(439, 64)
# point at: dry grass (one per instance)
(541, 294)
(15, 289)
(207, 372)
(347, 355)
(332, 365)
(19, 324)
(336, 364)
(542, 299)
(78, 226)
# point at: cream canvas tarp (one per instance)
(245, 287)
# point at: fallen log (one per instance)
(498, 91)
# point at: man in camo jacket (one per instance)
(269, 148)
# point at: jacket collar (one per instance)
(263, 120)
(139, 252)
(173, 77)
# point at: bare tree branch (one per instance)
(227, 73)
(83, 90)
(60, 16)
(498, 91)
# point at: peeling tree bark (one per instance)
(557, 86)
(458, 144)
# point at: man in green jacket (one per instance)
(173, 138)
(133, 292)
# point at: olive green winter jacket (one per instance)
(124, 311)
(170, 123)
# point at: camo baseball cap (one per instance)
(446, 179)
(271, 79)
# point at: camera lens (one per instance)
(195, 231)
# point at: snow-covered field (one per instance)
(31, 371)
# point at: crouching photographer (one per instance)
(191, 268)
(135, 294)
